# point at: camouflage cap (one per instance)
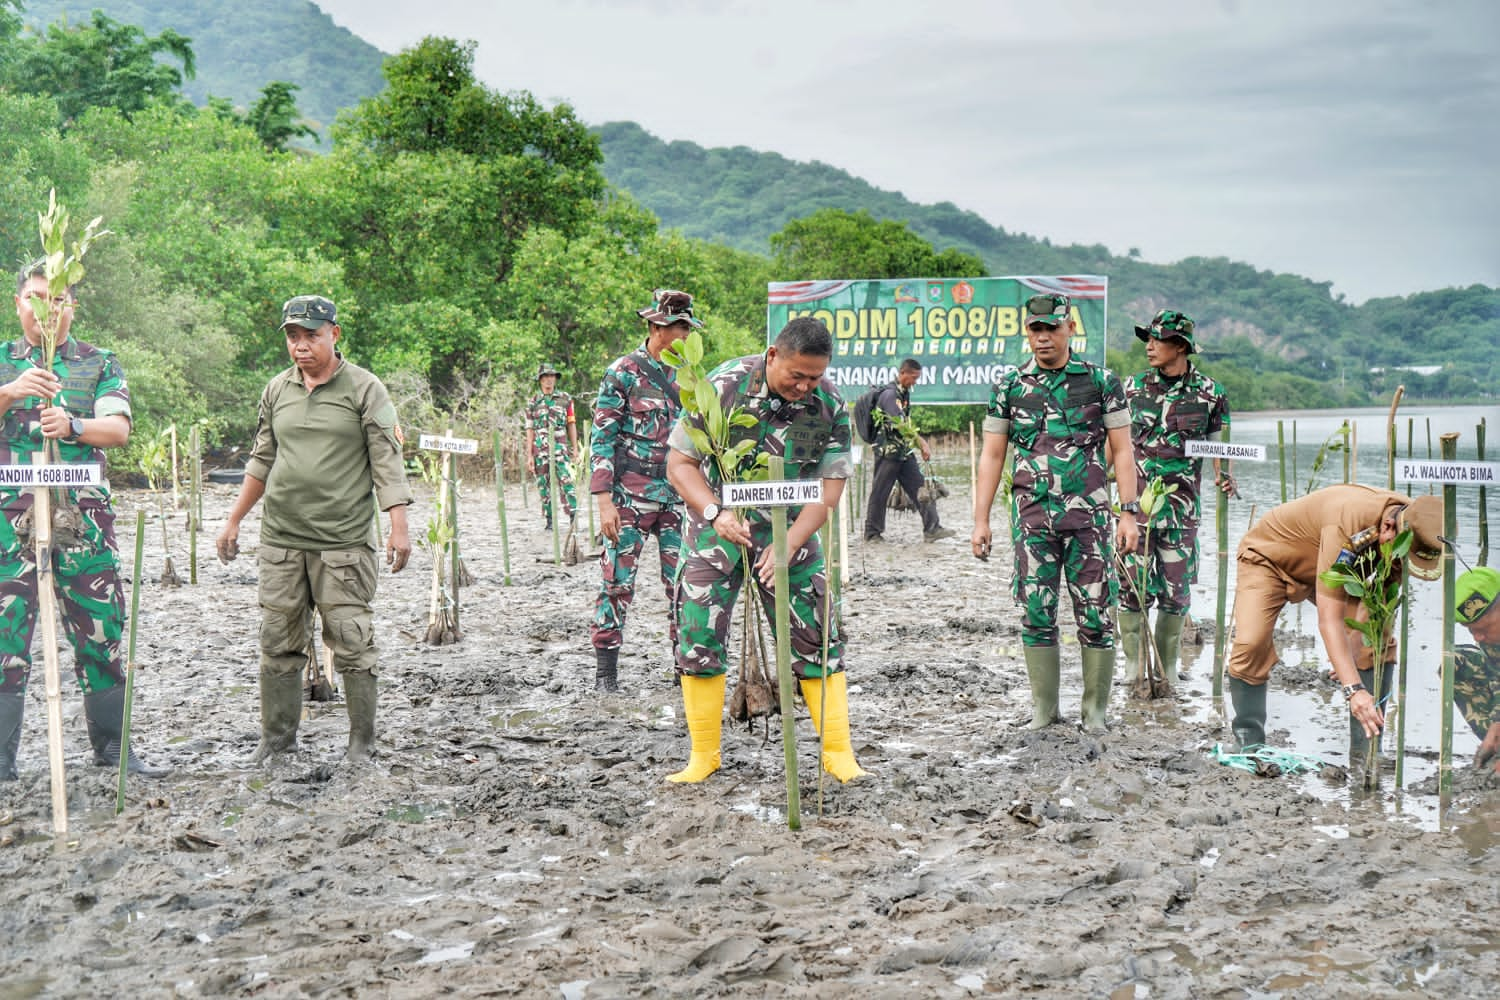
(669, 306)
(308, 311)
(1424, 516)
(1051, 309)
(1474, 593)
(546, 368)
(1169, 324)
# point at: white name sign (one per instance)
(1448, 473)
(458, 446)
(1223, 449)
(86, 474)
(787, 493)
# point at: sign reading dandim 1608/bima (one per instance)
(966, 332)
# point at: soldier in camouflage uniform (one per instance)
(1059, 410)
(549, 417)
(636, 408)
(797, 414)
(896, 445)
(83, 404)
(1476, 675)
(1170, 405)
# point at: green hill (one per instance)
(242, 47)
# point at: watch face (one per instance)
(76, 426)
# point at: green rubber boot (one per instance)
(280, 713)
(12, 707)
(360, 692)
(1249, 724)
(1098, 673)
(1130, 624)
(1169, 642)
(1043, 668)
(104, 712)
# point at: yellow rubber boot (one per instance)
(703, 707)
(829, 706)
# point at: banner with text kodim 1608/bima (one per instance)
(965, 331)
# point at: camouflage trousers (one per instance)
(708, 590)
(340, 583)
(620, 559)
(85, 576)
(1476, 688)
(1082, 558)
(1170, 561)
(569, 497)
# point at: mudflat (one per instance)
(515, 837)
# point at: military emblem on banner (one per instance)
(935, 292)
(905, 293)
(963, 293)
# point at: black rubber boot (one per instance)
(1249, 702)
(12, 707)
(105, 712)
(607, 669)
(360, 695)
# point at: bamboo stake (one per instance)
(135, 614)
(973, 463)
(1484, 506)
(1351, 460)
(1401, 677)
(41, 515)
(176, 501)
(525, 450)
(1221, 524)
(1390, 438)
(193, 505)
(552, 498)
(1221, 652)
(1450, 529)
(784, 657)
(1410, 422)
(500, 505)
(1281, 455)
(1294, 453)
(455, 562)
(827, 532)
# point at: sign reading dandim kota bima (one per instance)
(966, 332)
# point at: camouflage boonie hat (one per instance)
(1170, 324)
(308, 311)
(669, 306)
(1474, 593)
(546, 368)
(1424, 516)
(1051, 309)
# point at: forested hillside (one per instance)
(468, 235)
(1271, 334)
(241, 47)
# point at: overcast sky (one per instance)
(1351, 141)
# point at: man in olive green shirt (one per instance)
(326, 438)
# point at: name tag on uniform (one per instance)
(786, 493)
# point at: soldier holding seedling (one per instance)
(637, 405)
(326, 439)
(83, 404)
(1476, 676)
(794, 411)
(1170, 405)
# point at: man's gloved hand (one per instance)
(1489, 748)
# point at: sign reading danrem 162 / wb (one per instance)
(965, 331)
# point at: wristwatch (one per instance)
(1133, 507)
(711, 513)
(1350, 689)
(75, 428)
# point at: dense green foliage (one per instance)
(467, 234)
(242, 47)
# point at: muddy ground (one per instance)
(516, 837)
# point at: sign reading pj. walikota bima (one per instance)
(967, 332)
